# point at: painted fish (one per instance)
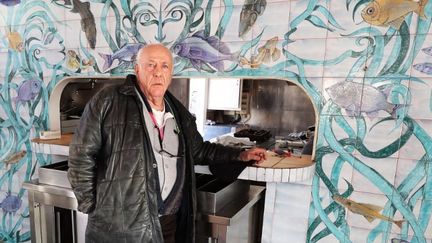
(395, 240)
(249, 14)
(369, 211)
(10, 3)
(356, 98)
(15, 157)
(125, 54)
(10, 203)
(425, 67)
(202, 50)
(427, 50)
(87, 21)
(266, 53)
(28, 90)
(73, 61)
(15, 41)
(392, 12)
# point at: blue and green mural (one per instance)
(366, 65)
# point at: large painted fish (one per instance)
(202, 50)
(87, 21)
(249, 14)
(356, 98)
(392, 12)
(126, 54)
(10, 3)
(425, 67)
(369, 211)
(266, 53)
(28, 90)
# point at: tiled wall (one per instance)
(370, 81)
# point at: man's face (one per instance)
(154, 71)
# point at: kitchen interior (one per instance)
(270, 113)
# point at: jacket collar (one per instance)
(128, 87)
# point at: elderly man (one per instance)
(131, 162)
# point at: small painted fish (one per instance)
(15, 41)
(87, 21)
(72, 61)
(427, 50)
(356, 98)
(125, 54)
(202, 50)
(395, 240)
(425, 67)
(266, 53)
(392, 12)
(369, 211)
(249, 14)
(28, 90)
(10, 3)
(10, 203)
(15, 157)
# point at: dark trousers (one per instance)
(169, 225)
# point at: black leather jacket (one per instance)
(111, 173)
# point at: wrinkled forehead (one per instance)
(155, 53)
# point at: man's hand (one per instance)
(257, 154)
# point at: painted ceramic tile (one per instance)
(421, 65)
(236, 27)
(385, 168)
(273, 21)
(347, 19)
(414, 148)
(309, 19)
(420, 106)
(342, 97)
(291, 224)
(359, 221)
(383, 139)
(348, 62)
(409, 176)
(336, 170)
(310, 52)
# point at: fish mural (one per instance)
(425, 67)
(392, 12)
(358, 98)
(201, 50)
(266, 54)
(205, 39)
(15, 157)
(88, 24)
(28, 90)
(10, 203)
(10, 3)
(369, 211)
(15, 41)
(249, 14)
(126, 54)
